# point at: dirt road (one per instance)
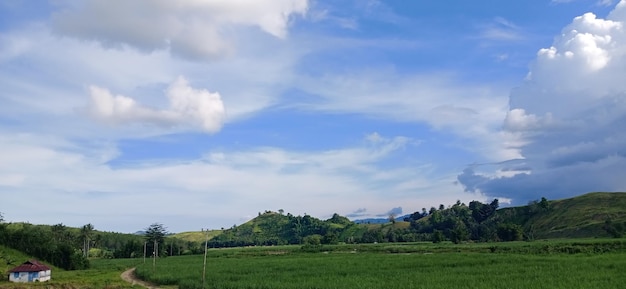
(129, 276)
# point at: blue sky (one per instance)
(200, 114)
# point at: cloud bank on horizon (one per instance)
(200, 114)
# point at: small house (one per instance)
(30, 271)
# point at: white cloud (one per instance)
(501, 29)
(517, 120)
(568, 118)
(44, 78)
(190, 29)
(200, 108)
(472, 112)
(585, 43)
(216, 190)
(599, 2)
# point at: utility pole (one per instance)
(145, 243)
(154, 254)
(206, 243)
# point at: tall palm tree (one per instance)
(86, 232)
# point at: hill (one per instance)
(196, 236)
(10, 258)
(583, 216)
(590, 215)
(272, 228)
(579, 217)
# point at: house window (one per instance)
(16, 275)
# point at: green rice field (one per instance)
(571, 264)
(580, 264)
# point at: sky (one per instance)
(203, 113)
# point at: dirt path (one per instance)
(129, 276)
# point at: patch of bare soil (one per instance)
(129, 276)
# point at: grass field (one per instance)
(555, 264)
(573, 263)
(104, 273)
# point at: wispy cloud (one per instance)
(318, 183)
(501, 29)
(599, 2)
(472, 112)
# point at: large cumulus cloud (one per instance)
(568, 118)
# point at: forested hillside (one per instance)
(590, 215)
(271, 228)
(70, 248)
(457, 223)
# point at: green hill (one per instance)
(196, 236)
(272, 228)
(585, 216)
(582, 216)
(10, 258)
(579, 217)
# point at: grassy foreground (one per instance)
(104, 273)
(555, 264)
(574, 263)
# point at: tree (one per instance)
(459, 232)
(86, 232)
(61, 234)
(544, 204)
(155, 237)
(392, 218)
(313, 240)
(482, 212)
(495, 204)
(510, 232)
(2, 229)
(337, 219)
(438, 236)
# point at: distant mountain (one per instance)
(379, 220)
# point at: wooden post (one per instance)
(154, 254)
(206, 243)
(144, 251)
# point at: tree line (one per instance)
(70, 248)
(477, 222)
(57, 246)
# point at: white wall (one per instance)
(23, 276)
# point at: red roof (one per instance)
(30, 266)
